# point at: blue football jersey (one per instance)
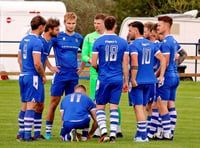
(29, 45)
(46, 49)
(76, 107)
(111, 49)
(146, 51)
(170, 46)
(66, 50)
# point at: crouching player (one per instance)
(75, 110)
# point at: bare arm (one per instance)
(94, 60)
(125, 71)
(81, 67)
(134, 69)
(38, 66)
(61, 115)
(163, 65)
(94, 125)
(52, 68)
(19, 59)
(182, 55)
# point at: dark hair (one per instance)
(100, 16)
(80, 86)
(51, 23)
(37, 21)
(138, 25)
(109, 22)
(166, 19)
(154, 27)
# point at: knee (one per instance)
(171, 104)
(39, 108)
(54, 102)
(23, 107)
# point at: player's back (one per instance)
(146, 51)
(170, 46)
(29, 45)
(111, 49)
(46, 49)
(76, 107)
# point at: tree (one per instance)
(86, 10)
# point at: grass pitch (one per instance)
(187, 132)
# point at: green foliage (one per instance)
(186, 133)
(86, 10)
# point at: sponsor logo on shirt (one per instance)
(65, 46)
(145, 44)
(110, 41)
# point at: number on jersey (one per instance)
(146, 55)
(111, 53)
(25, 50)
(75, 99)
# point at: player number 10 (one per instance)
(146, 56)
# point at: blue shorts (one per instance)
(108, 91)
(139, 95)
(68, 126)
(167, 91)
(21, 87)
(152, 95)
(59, 87)
(31, 88)
(156, 93)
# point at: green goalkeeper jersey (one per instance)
(87, 49)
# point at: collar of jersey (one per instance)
(140, 38)
(33, 34)
(110, 34)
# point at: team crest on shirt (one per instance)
(76, 40)
(63, 38)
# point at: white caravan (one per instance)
(185, 29)
(15, 17)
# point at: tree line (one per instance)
(86, 9)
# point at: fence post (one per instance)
(196, 52)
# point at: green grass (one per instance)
(187, 133)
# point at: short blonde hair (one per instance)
(81, 87)
(70, 16)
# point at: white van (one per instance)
(15, 17)
(185, 29)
